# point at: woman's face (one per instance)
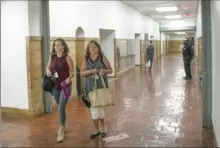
(93, 48)
(59, 48)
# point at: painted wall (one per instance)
(215, 17)
(35, 17)
(198, 26)
(14, 29)
(107, 45)
(95, 15)
(137, 52)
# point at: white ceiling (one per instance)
(148, 7)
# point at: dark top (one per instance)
(97, 64)
(59, 65)
(150, 50)
(187, 50)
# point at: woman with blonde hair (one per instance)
(95, 63)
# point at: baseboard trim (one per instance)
(125, 71)
(9, 111)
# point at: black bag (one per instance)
(47, 84)
(86, 102)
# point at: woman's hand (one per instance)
(49, 73)
(94, 71)
(102, 72)
(68, 81)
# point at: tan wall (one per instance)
(156, 48)
(175, 46)
(164, 47)
(34, 75)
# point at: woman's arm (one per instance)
(84, 72)
(108, 69)
(48, 68)
(70, 64)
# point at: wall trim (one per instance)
(75, 38)
(10, 111)
(65, 38)
(123, 39)
(125, 71)
(34, 38)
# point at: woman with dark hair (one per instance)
(95, 63)
(60, 67)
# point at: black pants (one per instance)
(187, 67)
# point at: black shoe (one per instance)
(93, 135)
(103, 133)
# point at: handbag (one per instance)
(47, 83)
(148, 64)
(101, 97)
(86, 102)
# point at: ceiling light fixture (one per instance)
(173, 16)
(180, 33)
(163, 9)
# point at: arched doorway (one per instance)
(79, 32)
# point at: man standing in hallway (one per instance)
(150, 54)
(187, 58)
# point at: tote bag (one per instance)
(148, 64)
(101, 97)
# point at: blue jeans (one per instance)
(151, 58)
(61, 103)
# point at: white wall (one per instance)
(199, 21)
(198, 27)
(137, 50)
(107, 45)
(35, 17)
(14, 29)
(66, 16)
(215, 17)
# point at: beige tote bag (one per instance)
(101, 97)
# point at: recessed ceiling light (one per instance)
(180, 32)
(163, 9)
(173, 16)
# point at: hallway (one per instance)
(154, 109)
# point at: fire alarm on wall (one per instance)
(185, 7)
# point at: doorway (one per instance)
(107, 44)
(137, 50)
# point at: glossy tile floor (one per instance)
(154, 109)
